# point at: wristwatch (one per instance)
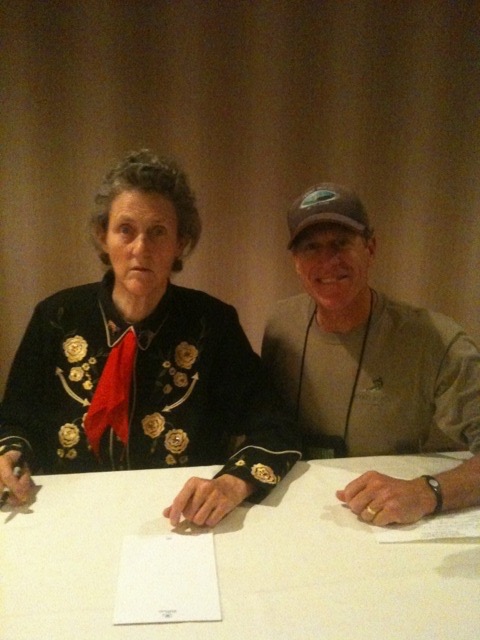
(434, 485)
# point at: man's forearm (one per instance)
(461, 486)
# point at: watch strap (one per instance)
(434, 485)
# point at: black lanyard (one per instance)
(359, 366)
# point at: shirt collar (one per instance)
(116, 326)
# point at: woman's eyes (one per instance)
(128, 231)
(157, 232)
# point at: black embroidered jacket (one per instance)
(196, 384)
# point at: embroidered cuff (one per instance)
(258, 466)
(16, 443)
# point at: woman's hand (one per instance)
(18, 483)
(206, 502)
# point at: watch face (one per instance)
(434, 485)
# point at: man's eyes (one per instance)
(335, 245)
(342, 243)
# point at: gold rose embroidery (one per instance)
(240, 463)
(170, 459)
(176, 441)
(264, 474)
(71, 393)
(180, 379)
(75, 348)
(71, 454)
(189, 391)
(185, 355)
(153, 425)
(69, 435)
(76, 374)
(167, 388)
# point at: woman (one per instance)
(135, 372)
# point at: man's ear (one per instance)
(295, 263)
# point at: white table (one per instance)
(297, 566)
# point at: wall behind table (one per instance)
(257, 101)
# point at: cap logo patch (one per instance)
(321, 195)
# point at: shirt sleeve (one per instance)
(24, 395)
(271, 444)
(457, 392)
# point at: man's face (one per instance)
(333, 263)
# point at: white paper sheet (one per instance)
(168, 578)
(458, 524)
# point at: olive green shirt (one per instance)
(418, 387)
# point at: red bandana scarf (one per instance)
(110, 404)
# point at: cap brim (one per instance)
(326, 216)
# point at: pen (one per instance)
(17, 472)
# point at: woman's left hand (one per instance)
(206, 502)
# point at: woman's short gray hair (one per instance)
(144, 171)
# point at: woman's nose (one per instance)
(140, 244)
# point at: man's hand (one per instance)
(382, 500)
(19, 487)
(206, 502)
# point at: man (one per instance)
(366, 375)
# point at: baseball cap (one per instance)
(327, 202)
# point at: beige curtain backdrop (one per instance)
(257, 100)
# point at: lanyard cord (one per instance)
(359, 366)
(302, 363)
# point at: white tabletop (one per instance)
(297, 566)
